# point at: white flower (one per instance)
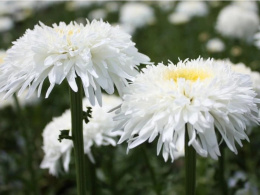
(97, 14)
(202, 94)
(215, 45)
(6, 24)
(22, 99)
(112, 6)
(239, 175)
(243, 69)
(178, 18)
(136, 14)
(101, 55)
(192, 8)
(165, 5)
(96, 132)
(2, 56)
(237, 22)
(248, 5)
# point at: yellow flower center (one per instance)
(69, 32)
(192, 74)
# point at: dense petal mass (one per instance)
(96, 132)
(101, 55)
(205, 95)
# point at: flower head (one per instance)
(206, 96)
(215, 45)
(236, 22)
(101, 55)
(96, 132)
(243, 69)
(143, 15)
(192, 8)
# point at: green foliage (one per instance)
(116, 172)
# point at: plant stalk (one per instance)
(77, 137)
(151, 170)
(221, 162)
(29, 147)
(190, 166)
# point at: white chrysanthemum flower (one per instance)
(136, 15)
(6, 24)
(178, 18)
(96, 132)
(192, 8)
(236, 22)
(215, 45)
(22, 99)
(203, 95)
(243, 69)
(2, 56)
(101, 55)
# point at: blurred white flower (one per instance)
(165, 5)
(248, 5)
(136, 15)
(192, 8)
(215, 45)
(6, 24)
(239, 175)
(249, 188)
(236, 22)
(101, 55)
(75, 5)
(112, 6)
(178, 18)
(97, 132)
(204, 95)
(97, 14)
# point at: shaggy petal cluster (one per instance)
(97, 132)
(204, 95)
(136, 15)
(22, 99)
(192, 8)
(101, 55)
(237, 22)
(2, 56)
(243, 69)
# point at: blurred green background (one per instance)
(115, 172)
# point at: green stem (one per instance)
(151, 170)
(92, 177)
(221, 162)
(29, 147)
(190, 166)
(77, 137)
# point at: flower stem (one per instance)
(77, 137)
(151, 170)
(221, 162)
(26, 132)
(190, 166)
(92, 177)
